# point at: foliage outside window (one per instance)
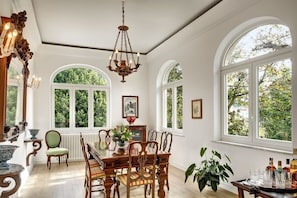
(13, 105)
(173, 99)
(257, 89)
(80, 99)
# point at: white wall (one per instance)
(196, 48)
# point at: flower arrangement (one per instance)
(121, 133)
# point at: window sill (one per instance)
(254, 147)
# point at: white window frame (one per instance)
(173, 86)
(252, 64)
(72, 88)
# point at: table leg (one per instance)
(240, 193)
(109, 181)
(162, 176)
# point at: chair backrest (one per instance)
(83, 148)
(142, 155)
(105, 139)
(152, 135)
(52, 139)
(166, 141)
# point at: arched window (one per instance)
(81, 99)
(257, 89)
(172, 90)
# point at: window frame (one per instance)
(74, 87)
(164, 87)
(252, 66)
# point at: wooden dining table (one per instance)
(111, 161)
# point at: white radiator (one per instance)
(71, 141)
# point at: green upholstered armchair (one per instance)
(53, 140)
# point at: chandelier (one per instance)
(122, 55)
(7, 39)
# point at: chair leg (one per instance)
(48, 164)
(67, 159)
(167, 180)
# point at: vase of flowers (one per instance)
(121, 135)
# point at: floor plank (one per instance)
(67, 182)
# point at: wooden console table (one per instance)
(37, 143)
(13, 173)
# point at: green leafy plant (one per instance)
(211, 171)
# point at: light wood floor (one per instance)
(67, 182)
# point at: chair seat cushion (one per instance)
(141, 181)
(56, 151)
(97, 173)
(93, 163)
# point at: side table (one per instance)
(37, 143)
(13, 173)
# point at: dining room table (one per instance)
(112, 160)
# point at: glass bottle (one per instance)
(286, 168)
(293, 168)
(279, 166)
(271, 168)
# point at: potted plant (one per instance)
(211, 170)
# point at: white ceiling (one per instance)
(93, 23)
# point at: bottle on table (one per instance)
(271, 168)
(293, 168)
(286, 168)
(279, 166)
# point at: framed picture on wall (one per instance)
(197, 109)
(129, 106)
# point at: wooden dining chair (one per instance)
(164, 146)
(53, 141)
(105, 139)
(94, 175)
(141, 155)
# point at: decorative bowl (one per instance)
(33, 133)
(6, 153)
(131, 119)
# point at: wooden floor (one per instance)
(67, 182)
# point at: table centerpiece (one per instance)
(121, 135)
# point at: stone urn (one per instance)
(6, 153)
(33, 133)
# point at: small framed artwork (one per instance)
(129, 106)
(197, 109)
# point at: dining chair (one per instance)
(164, 146)
(94, 175)
(141, 155)
(105, 139)
(53, 141)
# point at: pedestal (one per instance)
(13, 173)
